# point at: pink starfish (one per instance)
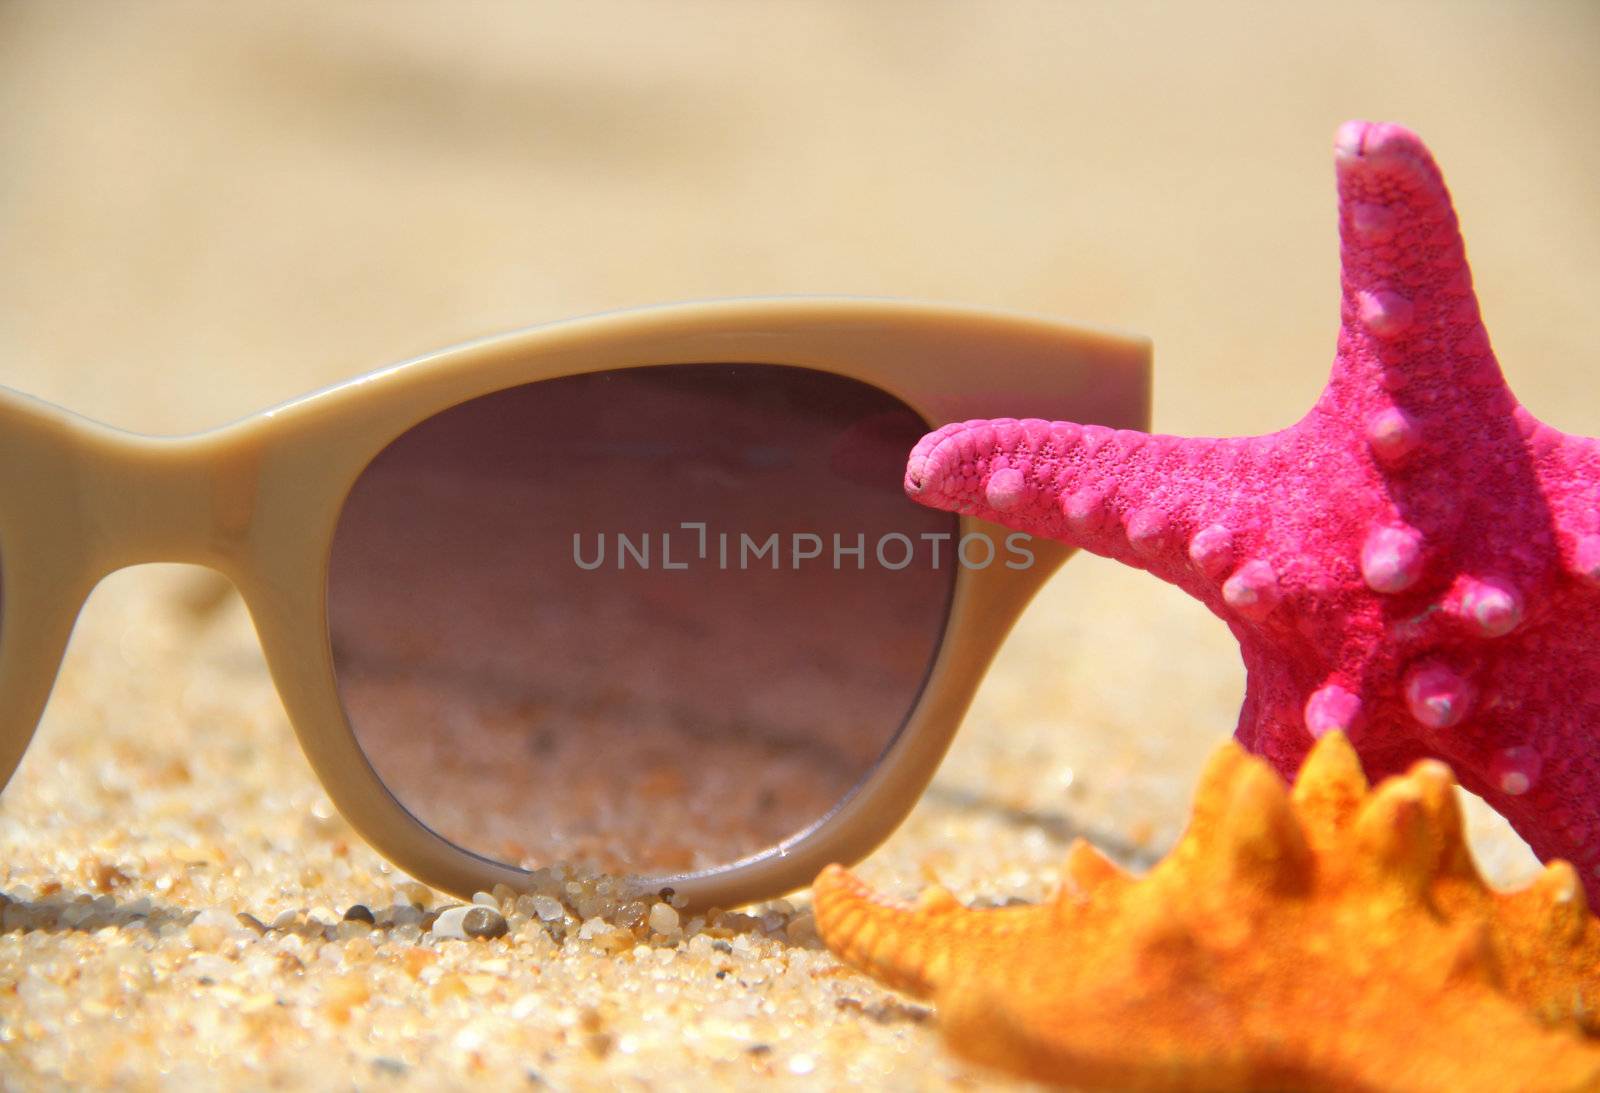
(1414, 562)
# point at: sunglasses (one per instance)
(641, 593)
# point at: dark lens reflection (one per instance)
(543, 663)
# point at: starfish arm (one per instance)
(920, 948)
(1149, 501)
(1416, 399)
(1534, 755)
(1560, 817)
(1411, 339)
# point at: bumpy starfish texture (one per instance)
(1335, 939)
(1415, 562)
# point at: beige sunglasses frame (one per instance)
(259, 499)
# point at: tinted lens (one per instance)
(650, 620)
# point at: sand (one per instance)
(205, 210)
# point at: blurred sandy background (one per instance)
(205, 209)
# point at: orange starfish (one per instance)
(1335, 939)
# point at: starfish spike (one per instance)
(1416, 562)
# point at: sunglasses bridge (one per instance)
(129, 499)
